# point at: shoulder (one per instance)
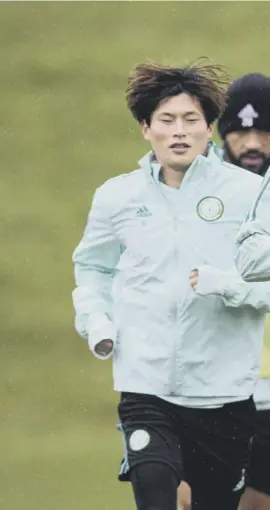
(122, 182)
(239, 178)
(117, 190)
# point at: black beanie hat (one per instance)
(248, 105)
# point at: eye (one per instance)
(167, 121)
(192, 120)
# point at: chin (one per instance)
(253, 169)
(180, 163)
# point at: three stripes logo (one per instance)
(143, 212)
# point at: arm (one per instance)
(234, 291)
(253, 252)
(95, 259)
(253, 242)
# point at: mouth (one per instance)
(179, 147)
(252, 160)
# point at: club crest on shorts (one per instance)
(138, 440)
(210, 208)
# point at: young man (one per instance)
(253, 241)
(157, 289)
(245, 130)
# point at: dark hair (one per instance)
(150, 84)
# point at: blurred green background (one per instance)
(64, 130)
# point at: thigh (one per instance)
(259, 471)
(216, 449)
(148, 433)
(254, 500)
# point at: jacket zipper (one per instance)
(175, 314)
(175, 306)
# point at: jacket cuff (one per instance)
(100, 327)
(211, 281)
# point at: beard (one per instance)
(256, 169)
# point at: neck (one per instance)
(172, 178)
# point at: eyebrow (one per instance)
(186, 114)
(192, 112)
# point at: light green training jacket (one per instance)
(132, 271)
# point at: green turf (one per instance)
(64, 130)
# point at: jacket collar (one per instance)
(200, 164)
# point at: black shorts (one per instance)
(209, 448)
(259, 473)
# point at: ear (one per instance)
(145, 130)
(210, 130)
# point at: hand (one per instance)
(193, 278)
(104, 347)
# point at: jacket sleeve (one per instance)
(234, 291)
(253, 241)
(95, 260)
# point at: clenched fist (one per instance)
(193, 278)
(104, 347)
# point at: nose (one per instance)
(252, 140)
(179, 128)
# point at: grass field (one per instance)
(64, 130)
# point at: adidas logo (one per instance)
(247, 115)
(142, 212)
(241, 482)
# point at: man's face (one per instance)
(178, 131)
(249, 149)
